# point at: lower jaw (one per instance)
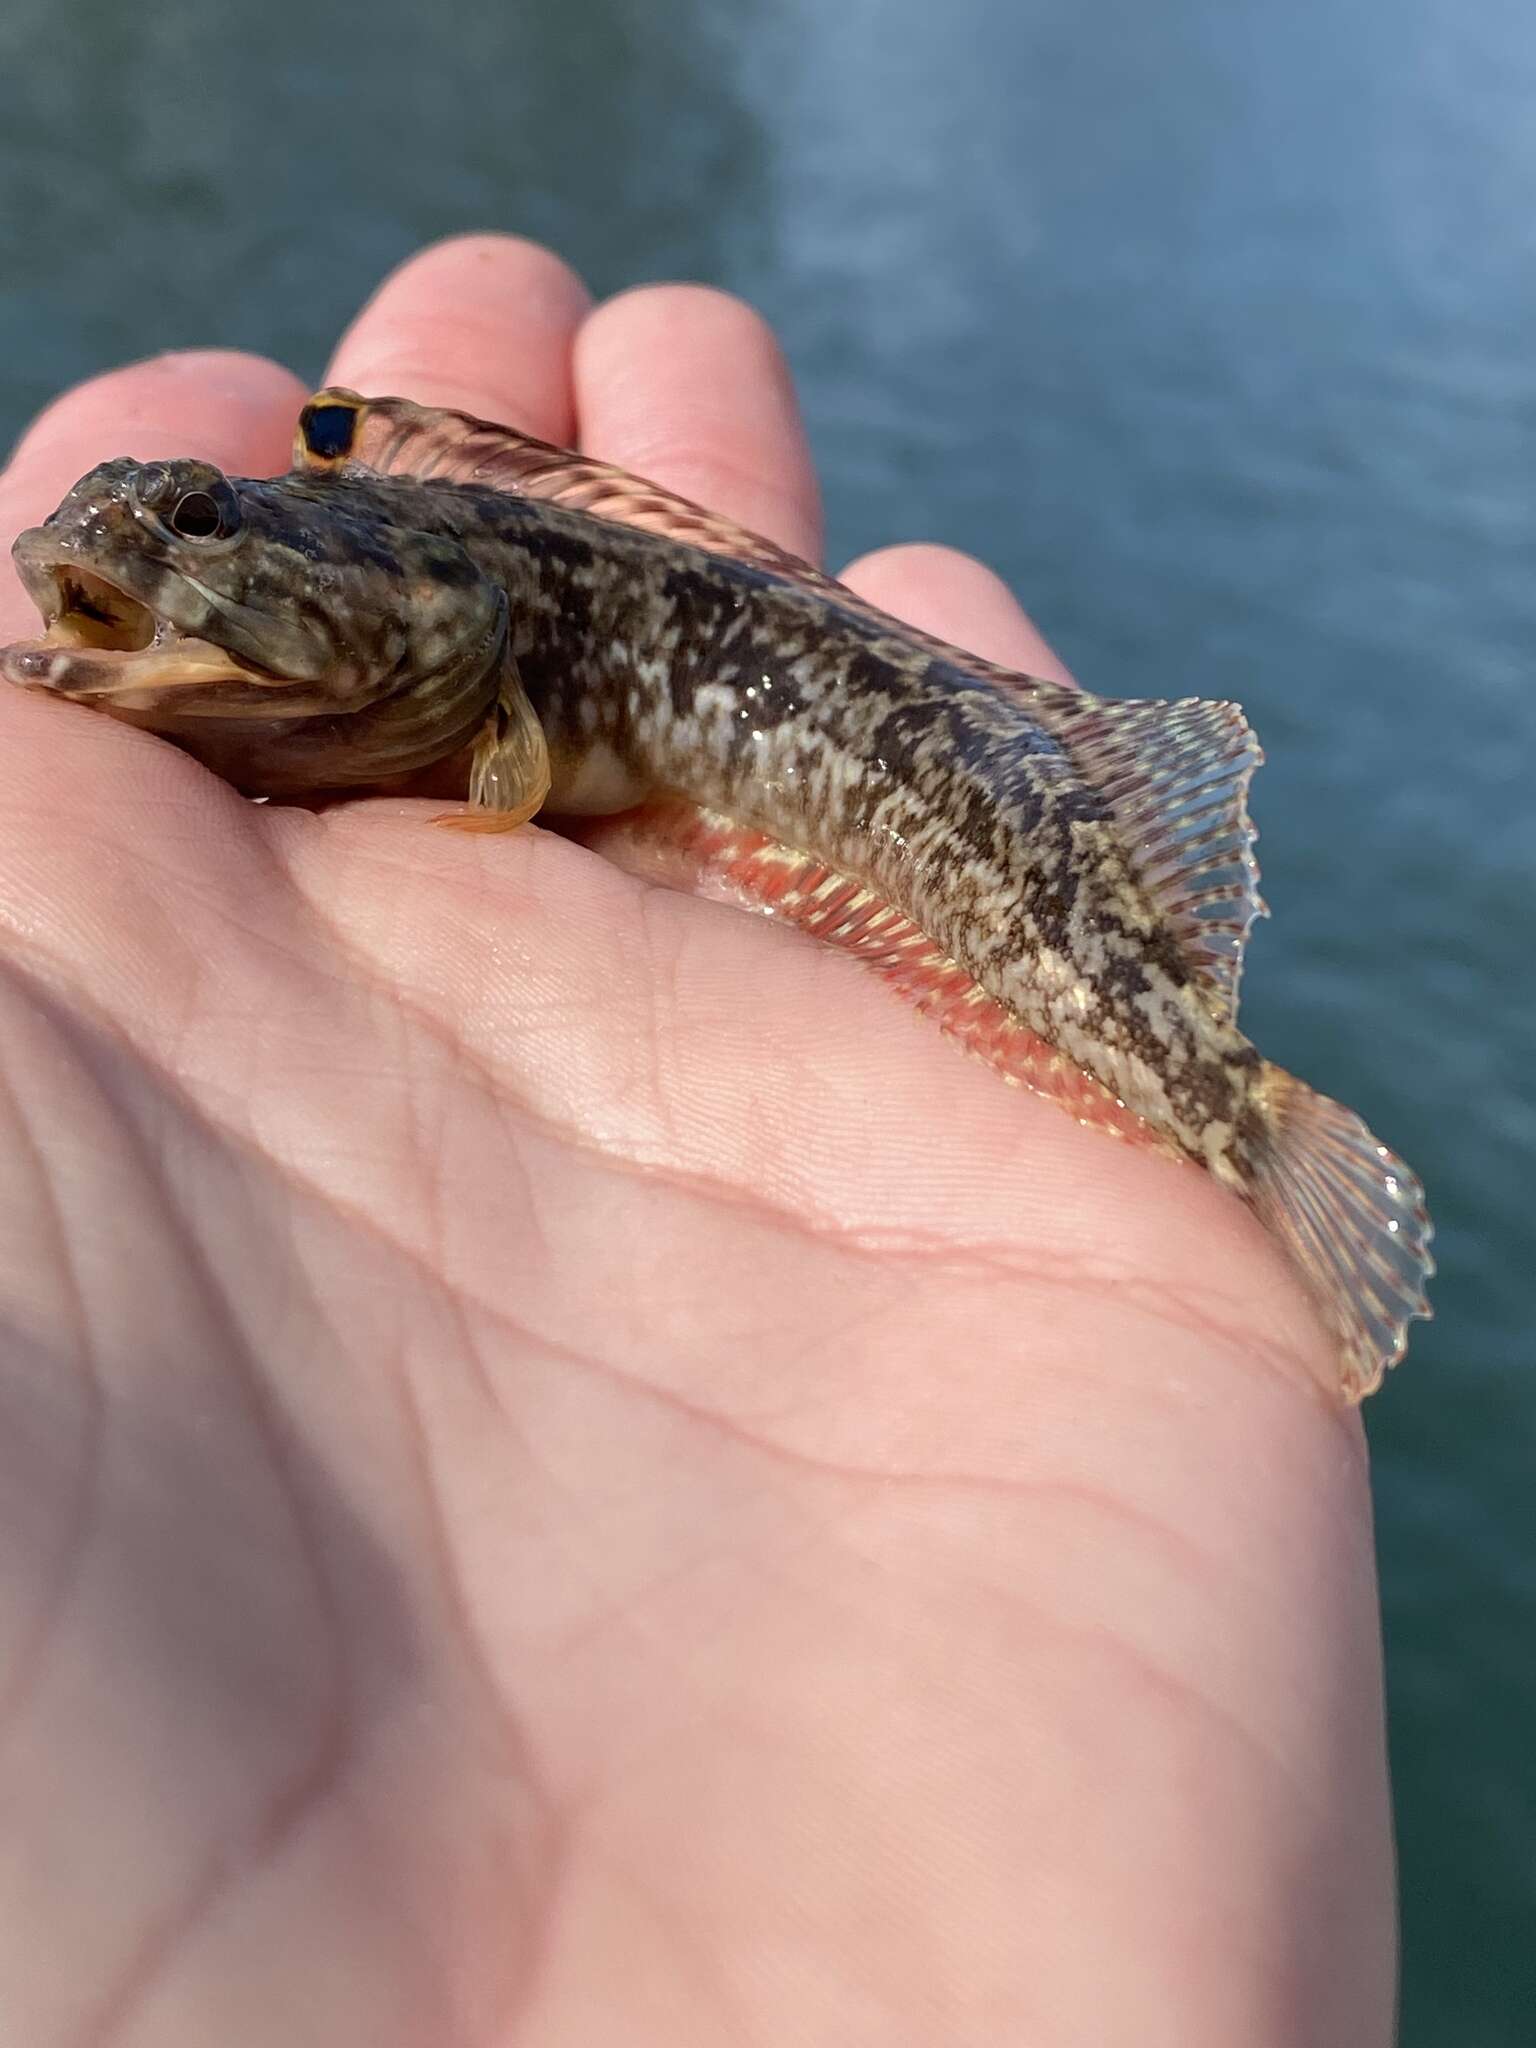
(119, 680)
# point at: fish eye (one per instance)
(196, 516)
(191, 500)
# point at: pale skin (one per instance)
(572, 1473)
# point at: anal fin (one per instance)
(706, 854)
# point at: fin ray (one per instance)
(395, 437)
(1176, 776)
(707, 854)
(1352, 1217)
(509, 770)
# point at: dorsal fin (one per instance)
(395, 437)
(1176, 776)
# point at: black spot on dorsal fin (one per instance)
(328, 426)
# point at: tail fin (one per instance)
(1352, 1217)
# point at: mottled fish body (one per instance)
(1069, 880)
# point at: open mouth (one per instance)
(102, 646)
(99, 645)
(94, 613)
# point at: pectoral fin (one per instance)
(509, 764)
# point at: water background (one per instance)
(1211, 324)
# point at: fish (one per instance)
(429, 602)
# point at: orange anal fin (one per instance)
(706, 854)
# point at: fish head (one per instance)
(285, 631)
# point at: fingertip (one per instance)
(942, 591)
(675, 305)
(226, 405)
(687, 385)
(481, 322)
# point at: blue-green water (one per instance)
(1212, 324)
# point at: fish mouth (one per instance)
(100, 644)
(91, 612)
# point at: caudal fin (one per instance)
(1352, 1217)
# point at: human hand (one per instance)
(571, 1473)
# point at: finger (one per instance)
(688, 387)
(483, 323)
(233, 410)
(953, 595)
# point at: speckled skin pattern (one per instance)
(372, 650)
(389, 624)
(656, 667)
(834, 731)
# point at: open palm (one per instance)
(572, 1474)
